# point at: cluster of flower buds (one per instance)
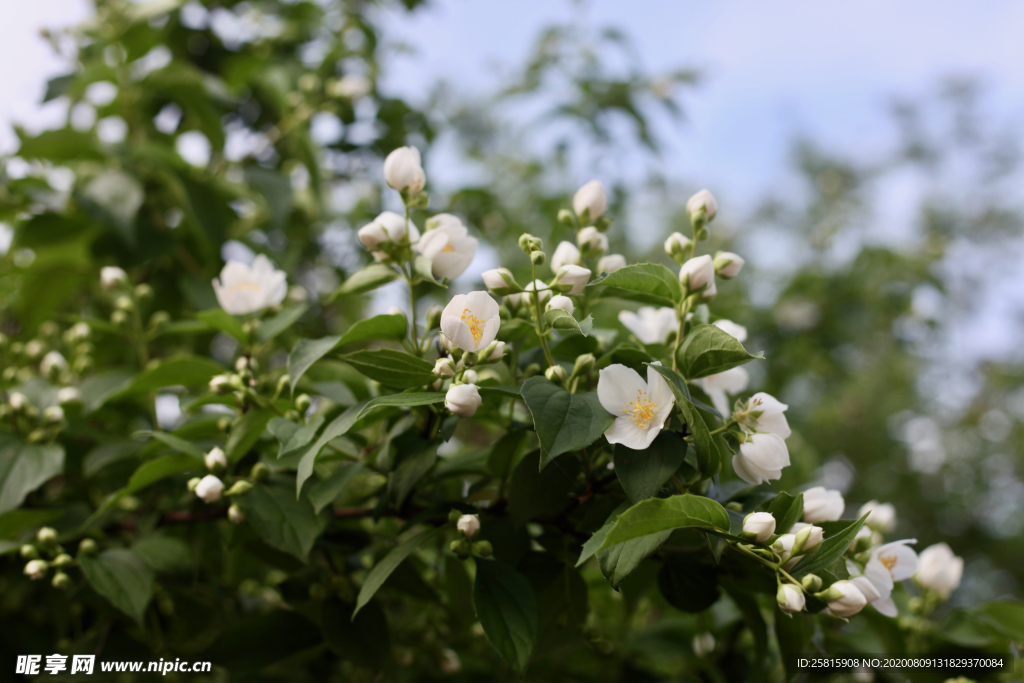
(468, 526)
(47, 553)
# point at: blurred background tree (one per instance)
(203, 131)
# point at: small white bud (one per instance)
(702, 203)
(47, 535)
(403, 170)
(215, 459)
(574, 277)
(470, 377)
(728, 264)
(499, 351)
(823, 505)
(444, 367)
(498, 279)
(849, 601)
(590, 201)
(563, 303)
(881, 516)
(697, 274)
(209, 488)
(17, 400)
(67, 395)
(235, 514)
(468, 525)
(36, 569)
(939, 570)
(463, 400)
(611, 263)
(112, 277)
(590, 239)
(53, 414)
(566, 254)
(53, 362)
(759, 526)
(677, 245)
(790, 598)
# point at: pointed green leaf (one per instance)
(563, 320)
(662, 514)
(308, 351)
(284, 523)
(369, 278)
(564, 422)
(219, 319)
(269, 329)
(120, 576)
(654, 282)
(24, 467)
(643, 473)
(787, 511)
(830, 550)
(708, 349)
(507, 609)
(380, 572)
(392, 368)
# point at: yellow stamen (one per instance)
(475, 325)
(448, 249)
(641, 411)
(244, 286)
(888, 561)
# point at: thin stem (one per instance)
(683, 309)
(535, 296)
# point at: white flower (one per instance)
(53, 361)
(759, 526)
(731, 328)
(677, 245)
(17, 400)
(790, 598)
(728, 265)
(721, 385)
(215, 459)
(352, 87)
(53, 414)
(697, 274)
(575, 276)
(561, 302)
(590, 198)
(471, 320)
(881, 516)
(209, 488)
(850, 600)
(889, 563)
(112, 277)
(611, 263)
(403, 171)
(469, 376)
(710, 292)
(765, 413)
(702, 202)
(243, 289)
(566, 254)
(463, 400)
(939, 569)
(650, 325)
(69, 395)
(814, 537)
(823, 505)
(468, 525)
(761, 458)
(448, 245)
(592, 239)
(444, 367)
(36, 569)
(640, 408)
(387, 227)
(497, 278)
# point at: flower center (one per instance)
(888, 561)
(475, 324)
(448, 249)
(245, 287)
(641, 411)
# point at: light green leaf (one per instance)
(189, 371)
(654, 281)
(100, 388)
(425, 270)
(219, 319)
(25, 467)
(392, 368)
(307, 352)
(174, 442)
(369, 278)
(246, 432)
(643, 473)
(380, 572)
(123, 578)
(269, 329)
(563, 320)
(507, 609)
(409, 399)
(707, 350)
(282, 521)
(338, 426)
(663, 514)
(564, 422)
(1005, 615)
(830, 550)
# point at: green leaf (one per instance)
(189, 371)
(219, 319)
(563, 320)
(643, 473)
(507, 609)
(365, 640)
(620, 561)
(380, 572)
(409, 399)
(14, 522)
(709, 462)
(326, 491)
(688, 585)
(424, 268)
(661, 514)
(503, 453)
(536, 493)
(675, 381)
(246, 432)
(25, 467)
(309, 351)
(794, 633)
(410, 469)
(1005, 615)
(269, 329)
(101, 387)
(262, 639)
(338, 426)
(564, 422)
(149, 473)
(830, 550)
(283, 522)
(369, 278)
(123, 578)
(708, 350)
(164, 553)
(787, 511)
(392, 368)
(173, 442)
(657, 283)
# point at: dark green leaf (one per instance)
(688, 585)
(619, 561)
(246, 432)
(13, 522)
(120, 576)
(380, 572)
(661, 514)
(507, 609)
(164, 553)
(338, 426)
(534, 493)
(643, 473)
(564, 422)
(409, 399)
(189, 371)
(392, 368)
(708, 349)
(787, 511)
(709, 461)
(364, 641)
(25, 467)
(830, 550)
(262, 639)
(326, 491)
(409, 470)
(173, 442)
(284, 523)
(308, 351)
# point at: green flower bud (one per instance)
(811, 583)
(61, 581)
(143, 292)
(583, 365)
(193, 483)
(63, 560)
(483, 548)
(454, 514)
(29, 552)
(302, 402)
(260, 472)
(433, 318)
(87, 547)
(531, 370)
(46, 536)
(556, 374)
(734, 506)
(159, 320)
(119, 318)
(537, 258)
(240, 487)
(566, 218)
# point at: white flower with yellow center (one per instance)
(470, 321)
(448, 245)
(889, 563)
(243, 289)
(640, 408)
(650, 325)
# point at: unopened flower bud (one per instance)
(583, 365)
(66, 395)
(260, 472)
(112, 277)
(811, 583)
(493, 352)
(215, 459)
(590, 202)
(29, 552)
(591, 240)
(565, 217)
(61, 581)
(209, 489)
(403, 170)
(192, 484)
(463, 400)
(759, 526)
(697, 274)
(444, 367)
(468, 525)
(433, 317)
(849, 600)
(701, 208)
(235, 514)
(728, 264)
(143, 292)
(220, 384)
(529, 244)
(124, 303)
(611, 263)
(537, 258)
(159, 320)
(36, 569)
(302, 402)
(561, 302)
(678, 247)
(454, 515)
(46, 536)
(531, 370)
(17, 400)
(556, 374)
(469, 377)
(460, 547)
(239, 488)
(483, 548)
(63, 560)
(53, 415)
(119, 318)
(790, 598)
(87, 547)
